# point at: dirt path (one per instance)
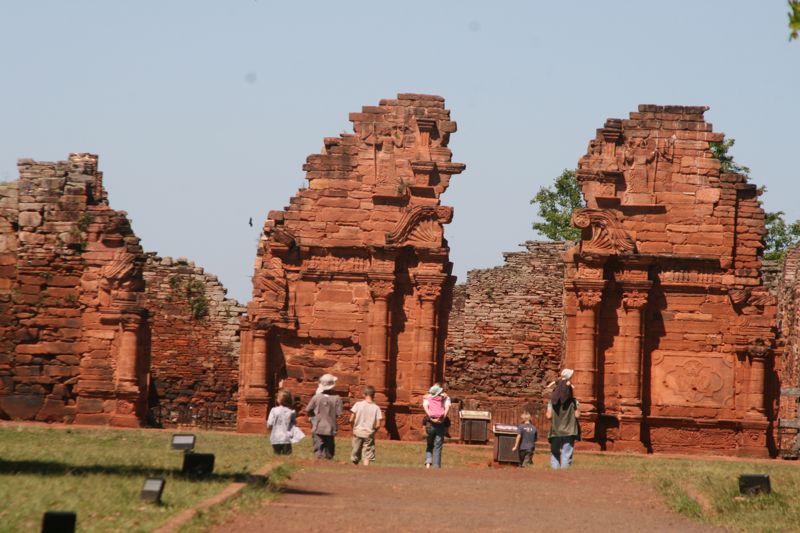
(334, 498)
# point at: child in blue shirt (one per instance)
(526, 440)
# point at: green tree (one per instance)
(779, 235)
(556, 205)
(720, 151)
(794, 19)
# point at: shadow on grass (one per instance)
(55, 468)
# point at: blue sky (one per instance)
(204, 112)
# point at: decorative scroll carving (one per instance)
(607, 235)
(272, 280)
(421, 224)
(120, 273)
(284, 237)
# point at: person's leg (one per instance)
(555, 452)
(318, 445)
(527, 456)
(369, 450)
(355, 456)
(438, 444)
(521, 457)
(566, 452)
(431, 437)
(332, 446)
(288, 448)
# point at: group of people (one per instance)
(326, 407)
(324, 410)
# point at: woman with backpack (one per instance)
(562, 411)
(437, 406)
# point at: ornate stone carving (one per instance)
(382, 289)
(421, 224)
(634, 299)
(428, 291)
(700, 379)
(589, 299)
(607, 233)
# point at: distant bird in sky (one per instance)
(251, 222)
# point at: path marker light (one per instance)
(59, 522)
(752, 484)
(152, 489)
(183, 441)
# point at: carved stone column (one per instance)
(756, 382)
(377, 360)
(259, 366)
(127, 377)
(584, 360)
(629, 357)
(428, 292)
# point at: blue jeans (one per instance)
(561, 451)
(435, 442)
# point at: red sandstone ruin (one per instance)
(669, 327)
(353, 277)
(75, 339)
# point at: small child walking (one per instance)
(526, 440)
(281, 421)
(365, 416)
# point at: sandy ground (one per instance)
(334, 498)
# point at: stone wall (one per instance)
(788, 291)
(73, 334)
(353, 276)
(195, 344)
(670, 326)
(505, 337)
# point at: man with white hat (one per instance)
(324, 409)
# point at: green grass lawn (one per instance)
(99, 472)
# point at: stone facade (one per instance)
(670, 329)
(353, 277)
(194, 363)
(506, 328)
(74, 337)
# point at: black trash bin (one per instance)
(504, 437)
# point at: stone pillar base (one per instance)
(629, 436)
(252, 417)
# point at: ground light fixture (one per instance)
(59, 522)
(198, 464)
(752, 484)
(183, 441)
(152, 489)
(194, 464)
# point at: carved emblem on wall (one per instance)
(420, 225)
(607, 233)
(697, 380)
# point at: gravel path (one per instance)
(332, 498)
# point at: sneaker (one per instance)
(427, 465)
